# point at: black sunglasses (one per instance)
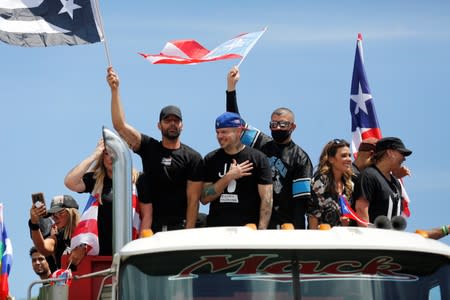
(281, 124)
(339, 142)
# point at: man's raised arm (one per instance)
(126, 131)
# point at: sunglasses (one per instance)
(281, 124)
(339, 142)
(60, 213)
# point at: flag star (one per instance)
(68, 7)
(360, 100)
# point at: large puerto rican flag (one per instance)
(42, 23)
(362, 108)
(86, 231)
(192, 52)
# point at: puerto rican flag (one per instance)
(192, 52)
(347, 211)
(86, 231)
(362, 110)
(43, 23)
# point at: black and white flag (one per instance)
(42, 23)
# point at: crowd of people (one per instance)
(252, 178)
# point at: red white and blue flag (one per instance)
(6, 254)
(192, 52)
(347, 211)
(362, 109)
(86, 231)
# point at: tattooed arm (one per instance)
(265, 211)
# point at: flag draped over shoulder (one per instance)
(191, 52)
(362, 108)
(86, 231)
(6, 253)
(42, 23)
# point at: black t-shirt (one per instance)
(239, 203)
(104, 219)
(166, 174)
(384, 195)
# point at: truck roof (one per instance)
(215, 238)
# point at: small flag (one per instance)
(6, 254)
(192, 52)
(362, 108)
(347, 211)
(40, 23)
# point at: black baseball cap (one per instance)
(170, 110)
(62, 201)
(392, 143)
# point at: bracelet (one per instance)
(33, 226)
(444, 230)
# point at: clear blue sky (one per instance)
(54, 101)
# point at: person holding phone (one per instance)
(64, 213)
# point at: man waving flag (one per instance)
(42, 23)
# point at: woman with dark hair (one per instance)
(332, 179)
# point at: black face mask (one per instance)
(280, 136)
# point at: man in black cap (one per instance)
(379, 192)
(173, 171)
(238, 179)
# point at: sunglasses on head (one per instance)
(339, 141)
(281, 124)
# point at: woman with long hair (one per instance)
(94, 176)
(64, 212)
(332, 179)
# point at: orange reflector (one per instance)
(146, 233)
(287, 226)
(251, 226)
(422, 233)
(324, 227)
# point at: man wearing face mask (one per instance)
(290, 164)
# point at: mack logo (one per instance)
(269, 267)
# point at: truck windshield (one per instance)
(285, 274)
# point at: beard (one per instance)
(171, 134)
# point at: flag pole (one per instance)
(250, 48)
(100, 21)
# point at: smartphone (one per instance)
(38, 199)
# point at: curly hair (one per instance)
(326, 169)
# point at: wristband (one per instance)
(444, 230)
(32, 226)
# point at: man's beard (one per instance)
(171, 135)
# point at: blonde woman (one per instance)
(64, 212)
(94, 176)
(332, 179)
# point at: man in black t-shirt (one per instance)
(290, 164)
(238, 179)
(173, 171)
(379, 192)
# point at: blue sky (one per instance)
(55, 100)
